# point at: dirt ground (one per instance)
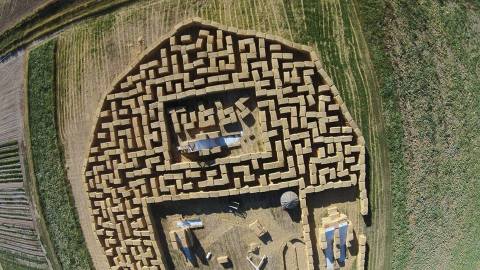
(225, 233)
(11, 101)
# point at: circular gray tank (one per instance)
(289, 200)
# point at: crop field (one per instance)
(58, 210)
(11, 90)
(110, 42)
(19, 242)
(432, 106)
(409, 74)
(12, 10)
(16, 212)
(50, 17)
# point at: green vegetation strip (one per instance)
(374, 30)
(426, 57)
(53, 188)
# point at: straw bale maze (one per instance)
(212, 112)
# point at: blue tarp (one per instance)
(185, 250)
(343, 229)
(188, 254)
(213, 142)
(191, 223)
(330, 234)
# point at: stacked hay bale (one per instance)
(362, 250)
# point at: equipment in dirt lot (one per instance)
(260, 265)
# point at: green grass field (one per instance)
(59, 212)
(427, 57)
(438, 88)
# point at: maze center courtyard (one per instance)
(183, 115)
(201, 137)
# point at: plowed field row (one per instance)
(11, 85)
(19, 242)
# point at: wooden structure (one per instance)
(258, 229)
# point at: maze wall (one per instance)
(204, 81)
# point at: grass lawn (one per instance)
(427, 59)
(53, 187)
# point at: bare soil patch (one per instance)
(346, 202)
(225, 233)
(11, 102)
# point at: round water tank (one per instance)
(289, 200)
